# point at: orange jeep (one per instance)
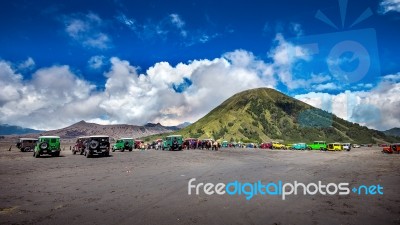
(393, 148)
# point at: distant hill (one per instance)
(6, 129)
(183, 125)
(83, 128)
(393, 132)
(265, 114)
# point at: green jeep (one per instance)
(225, 144)
(173, 143)
(123, 144)
(317, 145)
(49, 145)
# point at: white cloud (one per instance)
(167, 27)
(376, 108)
(56, 97)
(172, 24)
(96, 62)
(179, 23)
(389, 5)
(87, 30)
(296, 29)
(150, 97)
(10, 84)
(44, 101)
(327, 86)
(285, 57)
(28, 64)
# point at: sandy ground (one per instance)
(151, 187)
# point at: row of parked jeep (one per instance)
(93, 145)
(100, 145)
(50, 145)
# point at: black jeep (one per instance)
(97, 145)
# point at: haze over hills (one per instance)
(6, 129)
(393, 132)
(83, 128)
(265, 114)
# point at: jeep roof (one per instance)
(28, 139)
(98, 136)
(49, 137)
(126, 138)
(83, 137)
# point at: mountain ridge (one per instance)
(264, 114)
(6, 129)
(83, 128)
(395, 131)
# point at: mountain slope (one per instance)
(265, 114)
(393, 132)
(83, 128)
(6, 129)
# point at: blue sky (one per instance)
(139, 55)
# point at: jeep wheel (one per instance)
(94, 144)
(130, 149)
(43, 145)
(106, 154)
(73, 152)
(56, 154)
(81, 153)
(113, 149)
(122, 149)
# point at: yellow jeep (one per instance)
(335, 147)
(277, 145)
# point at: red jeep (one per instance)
(139, 144)
(393, 148)
(267, 145)
(79, 145)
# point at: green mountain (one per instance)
(393, 132)
(265, 114)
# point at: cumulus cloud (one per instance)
(43, 101)
(171, 94)
(285, 56)
(86, 29)
(376, 108)
(56, 97)
(150, 97)
(389, 5)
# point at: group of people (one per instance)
(201, 144)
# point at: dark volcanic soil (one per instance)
(151, 187)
